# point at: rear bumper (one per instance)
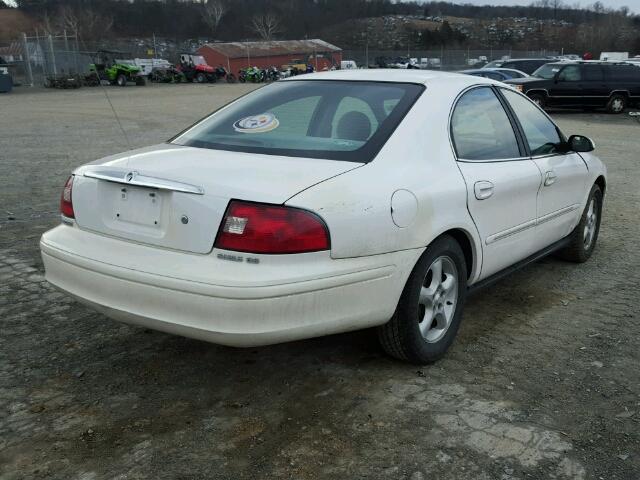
(145, 286)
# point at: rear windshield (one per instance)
(335, 120)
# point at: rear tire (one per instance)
(585, 235)
(429, 312)
(538, 99)
(617, 103)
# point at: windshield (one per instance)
(199, 60)
(335, 120)
(547, 71)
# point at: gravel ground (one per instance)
(543, 381)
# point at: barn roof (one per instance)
(272, 48)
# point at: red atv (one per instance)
(195, 68)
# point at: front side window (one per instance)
(481, 129)
(547, 72)
(541, 134)
(570, 73)
(329, 119)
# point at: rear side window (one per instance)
(624, 73)
(593, 73)
(480, 128)
(330, 119)
(541, 134)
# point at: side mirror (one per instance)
(580, 143)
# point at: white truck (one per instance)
(348, 65)
(614, 56)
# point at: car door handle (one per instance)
(550, 178)
(483, 189)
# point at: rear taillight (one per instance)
(66, 203)
(259, 228)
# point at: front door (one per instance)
(502, 183)
(567, 87)
(564, 174)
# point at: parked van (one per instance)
(348, 65)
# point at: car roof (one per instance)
(424, 77)
(589, 62)
(525, 60)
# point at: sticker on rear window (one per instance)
(265, 122)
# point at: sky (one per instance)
(634, 5)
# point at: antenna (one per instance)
(106, 94)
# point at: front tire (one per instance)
(200, 77)
(617, 103)
(539, 99)
(584, 236)
(429, 312)
(121, 80)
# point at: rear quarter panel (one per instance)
(418, 158)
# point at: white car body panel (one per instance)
(506, 233)
(283, 298)
(220, 175)
(381, 217)
(564, 179)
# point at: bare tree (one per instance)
(266, 26)
(87, 23)
(212, 14)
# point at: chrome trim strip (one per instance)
(510, 231)
(134, 178)
(557, 213)
(531, 223)
(494, 160)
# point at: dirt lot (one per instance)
(543, 381)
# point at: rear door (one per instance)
(595, 90)
(564, 174)
(502, 183)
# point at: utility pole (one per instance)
(155, 52)
(53, 55)
(26, 59)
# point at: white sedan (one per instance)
(326, 203)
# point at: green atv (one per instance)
(112, 68)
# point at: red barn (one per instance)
(237, 55)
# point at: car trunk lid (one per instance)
(175, 197)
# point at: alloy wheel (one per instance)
(438, 299)
(591, 224)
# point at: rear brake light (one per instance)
(66, 202)
(260, 228)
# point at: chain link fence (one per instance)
(35, 59)
(447, 59)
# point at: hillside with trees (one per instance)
(382, 24)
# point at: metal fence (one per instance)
(33, 59)
(448, 59)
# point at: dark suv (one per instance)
(588, 85)
(526, 65)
